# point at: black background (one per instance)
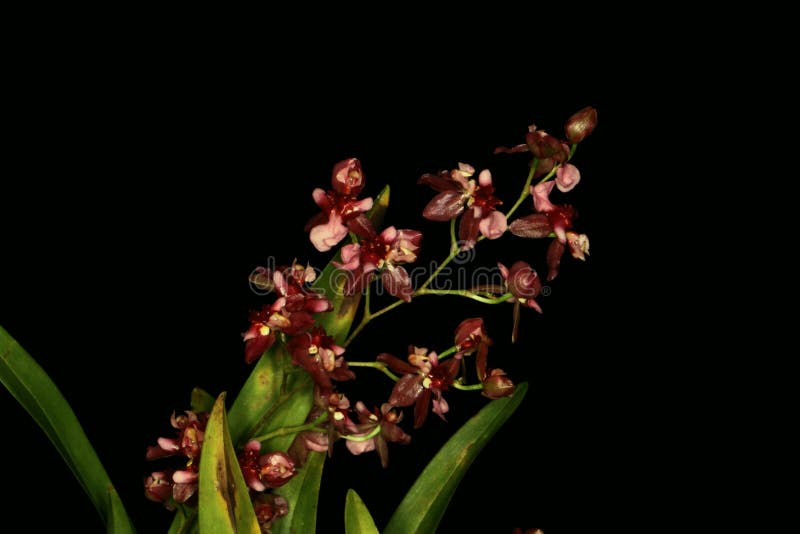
(145, 192)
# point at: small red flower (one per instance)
(457, 193)
(552, 219)
(524, 284)
(471, 336)
(423, 381)
(388, 418)
(384, 252)
(316, 352)
(269, 507)
(340, 208)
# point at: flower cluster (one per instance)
(425, 378)
(261, 472)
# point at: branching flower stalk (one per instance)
(302, 324)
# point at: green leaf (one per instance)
(184, 522)
(258, 395)
(202, 400)
(291, 410)
(357, 519)
(40, 397)
(223, 497)
(302, 493)
(422, 508)
(337, 322)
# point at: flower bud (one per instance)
(497, 385)
(581, 124)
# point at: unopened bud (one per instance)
(581, 124)
(497, 385)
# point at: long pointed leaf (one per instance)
(223, 498)
(302, 493)
(422, 508)
(258, 395)
(202, 400)
(40, 397)
(357, 519)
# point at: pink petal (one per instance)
(485, 178)
(494, 225)
(440, 406)
(168, 444)
(320, 198)
(567, 177)
(389, 234)
(541, 197)
(503, 272)
(325, 236)
(362, 205)
(184, 477)
(360, 447)
(351, 257)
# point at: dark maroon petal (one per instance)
(467, 328)
(480, 359)
(182, 492)
(407, 390)
(449, 369)
(383, 450)
(397, 283)
(394, 434)
(158, 486)
(535, 226)
(439, 182)
(554, 253)
(543, 145)
(512, 150)
(362, 227)
(396, 364)
(468, 229)
(254, 348)
(342, 374)
(445, 206)
(421, 407)
(545, 165)
(154, 453)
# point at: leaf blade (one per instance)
(27, 381)
(223, 498)
(424, 505)
(302, 492)
(357, 519)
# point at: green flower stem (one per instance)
(526, 190)
(293, 429)
(447, 260)
(549, 174)
(380, 366)
(471, 387)
(370, 316)
(374, 432)
(448, 352)
(465, 293)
